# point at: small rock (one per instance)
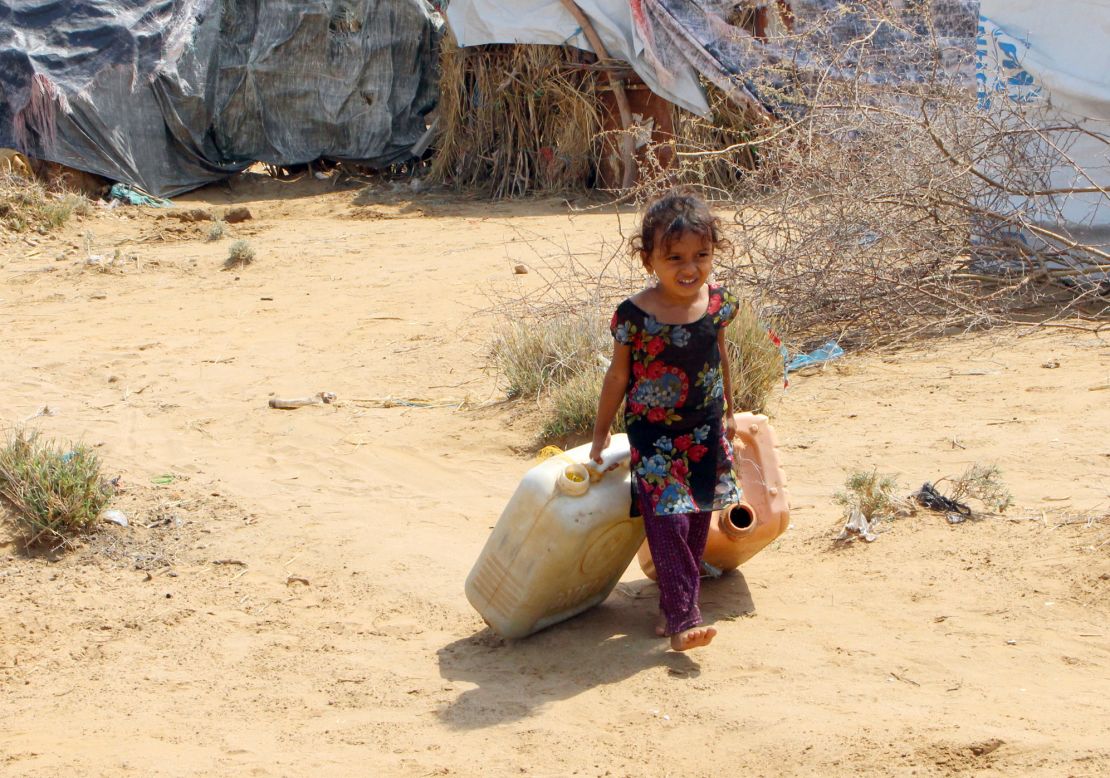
(116, 517)
(192, 215)
(987, 747)
(1051, 364)
(520, 270)
(236, 215)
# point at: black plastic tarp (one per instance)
(174, 94)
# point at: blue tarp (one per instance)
(168, 95)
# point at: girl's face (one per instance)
(682, 266)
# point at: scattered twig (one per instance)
(286, 403)
(897, 677)
(405, 402)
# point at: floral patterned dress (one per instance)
(673, 409)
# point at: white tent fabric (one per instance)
(477, 22)
(1055, 58)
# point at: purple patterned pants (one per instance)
(677, 542)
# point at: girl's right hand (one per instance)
(599, 447)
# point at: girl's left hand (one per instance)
(730, 426)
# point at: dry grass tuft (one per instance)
(558, 361)
(239, 254)
(573, 406)
(55, 492)
(26, 205)
(535, 356)
(755, 360)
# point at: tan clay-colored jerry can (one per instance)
(740, 531)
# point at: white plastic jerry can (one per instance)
(561, 544)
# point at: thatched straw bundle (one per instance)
(699, 141)
(516, 120)
(527, 119)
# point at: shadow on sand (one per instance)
(605, 645)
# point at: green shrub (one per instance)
(216, 231)
(54, 492)
(874, 495)
(983, 483)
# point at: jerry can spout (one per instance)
(737, 520)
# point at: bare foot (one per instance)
(661, 626)
(693, 638)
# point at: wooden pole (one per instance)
(628, 149)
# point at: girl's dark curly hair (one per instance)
(672, 214)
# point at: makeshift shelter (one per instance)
(1054, 66)
(168, 95)
(748, 52)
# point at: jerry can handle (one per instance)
(597, 472)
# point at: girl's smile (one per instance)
(682, 266)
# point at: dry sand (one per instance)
(288, 599)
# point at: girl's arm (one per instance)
(726, 373)
(612, 393)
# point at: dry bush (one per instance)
(886, 202)
(557, 361)
(54, 492)
(877, 202)
(881, 202)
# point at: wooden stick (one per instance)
(627, 148)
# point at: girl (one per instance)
(670, 367)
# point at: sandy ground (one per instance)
(289, 597)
